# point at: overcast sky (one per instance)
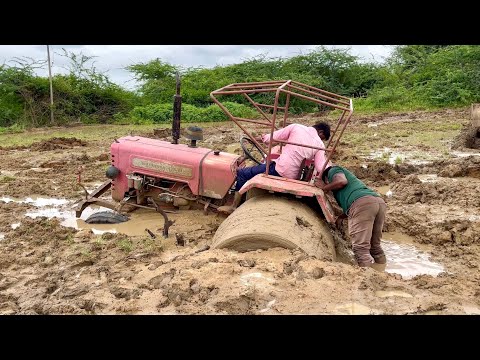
(114, 58)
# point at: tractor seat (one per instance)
(306, 170)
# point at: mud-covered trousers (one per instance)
(365, 222)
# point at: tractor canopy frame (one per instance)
(289, 88)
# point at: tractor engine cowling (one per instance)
(207, 173)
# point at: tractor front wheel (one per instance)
(106, 217)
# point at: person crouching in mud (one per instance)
(365, 210)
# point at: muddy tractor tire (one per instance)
(106, 217)
(268, 221)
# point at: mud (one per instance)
(463, 165)
(469, 138)
(54, 144)
(52, 263)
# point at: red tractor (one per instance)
(290, 213)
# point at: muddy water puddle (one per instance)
(471, 310)
(62, 209)
(392, 293)
(58, 208)
(427, 177)
(403, 256)
(256, 279)
(36, 201)
(407, 259)
(136, 225)
(384, 190)
(355, 309)
(394, 157)
(464, 154)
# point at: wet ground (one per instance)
(51, 262)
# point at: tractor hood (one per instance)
(206, 172)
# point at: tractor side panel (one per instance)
(119, 184)
(218, 173)
(152, 157)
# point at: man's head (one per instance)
(323, 130)
(325, 174)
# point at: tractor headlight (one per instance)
(112, 172)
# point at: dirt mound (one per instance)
(418, 115)
(411, 190)
(430, 228)
(464, 166)
(381, 173)
(162, 133)
(10, 213)
(213, 137)
(57, 143)
(468, 138)
(35, 241)
(40, 231)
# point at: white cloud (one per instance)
(114, 58)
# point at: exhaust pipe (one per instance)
(177, 111)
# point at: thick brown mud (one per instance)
(53, 263)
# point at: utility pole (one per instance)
(51, 86)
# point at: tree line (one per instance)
(412, 77)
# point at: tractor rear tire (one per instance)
(106, 217)
(269, 221)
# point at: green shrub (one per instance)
(413, 77)
(162, 113)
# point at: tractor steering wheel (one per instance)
(252, 151)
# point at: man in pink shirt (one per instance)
(290, 160)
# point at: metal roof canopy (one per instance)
(290, 88)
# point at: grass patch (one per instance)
(99, 243)
(86, 254)
(151, 246)
(15, 128)
(125, 245)
(70, 239)
(6, 179)
(85, 132)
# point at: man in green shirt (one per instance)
(365, 210)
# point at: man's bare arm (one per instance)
(339, 181)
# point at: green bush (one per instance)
(15, 128)
(81, 95)
(333, 70)
(413, 77)
(162, 113)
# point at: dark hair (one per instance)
(324, 127)
(325, 173)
